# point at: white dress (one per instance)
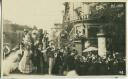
(25, 65)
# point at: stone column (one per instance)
(101, 44)
(78, 46)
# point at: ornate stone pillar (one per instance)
(101, 44)
(78, 46)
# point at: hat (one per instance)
(25, 30)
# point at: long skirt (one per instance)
(25, 65)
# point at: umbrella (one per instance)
(89, 49)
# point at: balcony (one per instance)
(86, 19)
(77, 37)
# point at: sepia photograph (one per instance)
(43, 38)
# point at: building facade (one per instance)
(80, 29)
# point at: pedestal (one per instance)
(101, 45)
(78, 46)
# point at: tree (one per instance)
(113, 15)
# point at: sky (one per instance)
(42, 13)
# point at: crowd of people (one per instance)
(37, 55)
(92, 64)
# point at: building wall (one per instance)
(78, 14)
(90, 34)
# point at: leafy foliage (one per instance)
(113, 16)
(11, 31)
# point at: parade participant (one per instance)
(34, 48)
(59, 60)
(55, 70)
(65, 62)
(71, 59)
(40, 59)
(45, 56)
(51, 52)
(25, 65)
(39, 48)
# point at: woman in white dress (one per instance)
(25, 65)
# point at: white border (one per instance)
(1, 40)
(80, 77)
(94, 0)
